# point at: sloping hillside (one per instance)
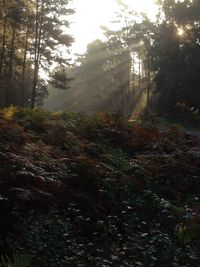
(97, 191)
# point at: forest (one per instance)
(100, 150)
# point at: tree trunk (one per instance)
(24, 70)
(133, 77)
(3, 47)
(37, 48)
(139, 76)
(148, 86)
(10, 68)
(128, 83)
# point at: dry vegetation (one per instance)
(97, 191)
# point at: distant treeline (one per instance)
(160, 59)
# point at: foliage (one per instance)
(105, 77)
(31, 34)
(17, 260)
(9, 112)
(140, 64)
(174, 56)
(79, 190)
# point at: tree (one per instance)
(32, 36)
(50, 38)
(175, 55)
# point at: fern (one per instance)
(17, 260)
(188, 234)
(160, 203)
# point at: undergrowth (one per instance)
(79, 190)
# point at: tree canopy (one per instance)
(32, 36)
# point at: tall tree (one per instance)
(32, 37)
(175, 52)
(50, 38)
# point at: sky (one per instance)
(91, 14)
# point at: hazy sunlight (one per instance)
(91, 14)
(180, 31)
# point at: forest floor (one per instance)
(97, 191)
